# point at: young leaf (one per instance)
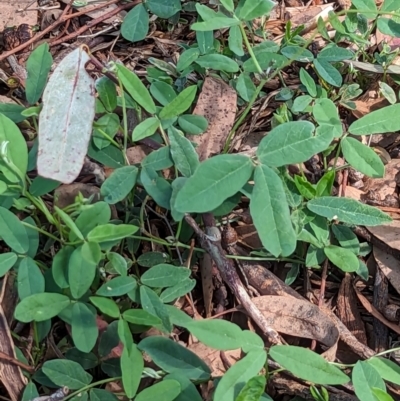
(178, 290)
(254, 9)
(192, 124)
(180, 104)
(106, 306)
(60, 264)
(335, 53)
(157, 187)
(183, 153)
(159, 159)
(219, 334)
(69, 222)
(235, 40)
(307, 80)
(387, 91)
(135, 25)
(111, 232)
(307, 365)
(215, 23)
(38, 67)
(253, 389)
(348, 211)
(342, 258)
(41, 186)
(386, 368)
(164, 8)
(119, 184)
(245, 86)
(228, 4)
(84, 327)
(364, 377)
(377, 122)
(40, 307)
(188, 389)
(141, 317)
(110, 156)
(163, 92)
(136, 89)
(81, 273)
(61, 122)
(381, 395)
(362, 158)
(30, 278)
(107, 93)
(132, 366)
(7, 261)
(215, 180)
(117, 287)
(270, 212)
(218, 62)
(145, 129)
(152, 304)
(174, 358)
(12, 232)
(346, 238)
(164, 275)
(63, 372)
(328, 73)
(292, 142)
(235, 379)
(325, 113)
(167, 390)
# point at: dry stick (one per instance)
(95, 21)
(16, 362)
(211, 242)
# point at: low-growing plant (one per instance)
(77, 262)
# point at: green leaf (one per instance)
(106, 306)
(270, 212)
(228, 4)
(119, 184)
(342, 258)
(108, 124)
(348, 211)
(12, 231)
(377, 122)
(307, 80)
(291, 143)
(30, 278)
(215, 180)
(192, 124)
(328, 73)
(387, 369)
(164, 275)
(218, 62)
(325, 184)
(174, 358)
(135, 25)
(7, 261)
(40, 307)
(152, 304)
(362, 158)
(125, 335)
(110, 156)
(178, 290)
(38, 67)
(107, 92)
(145, 129)
(164, 8)
(235, 379)
(366, 5)
(387, 91)
(325, 113)
(13, 112)
(180, 104)
(163, 92)
(297, 53)
(218, 334)
(235, 40)
(364, 377)
(30, 392)
(183, 153)
(301, 103)
(60, 264)
(253, 390)
(118, 263)
(388, 27)
(58, 123)
(132, 365)
(167, 390)
(245, 87)
(63, 372)
(188, 389)
(111, 232)
(214, 23)
(41, 186)
(84, 327)
(346, 238)
(16, 149)
(136, 89)
(381, 395)
(305, 188)
(81, 274)
(334, 54)
(97, 394)
(141, 317)
(69, 222)
(117, 286)
(157, 187)
(159, 159)
(254, 9)
(307, 365)
(267, 61)
(186, 59)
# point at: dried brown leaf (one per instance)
(388, 233)
(389, 266)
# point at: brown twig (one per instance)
(95, 21)
(211, 242)
(16, 362)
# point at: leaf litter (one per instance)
(63, 146)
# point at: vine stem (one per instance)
(91, 385)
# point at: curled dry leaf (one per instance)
(388, 233)
(65, 122)
(217, 103)
(297, 318)
(389, 266)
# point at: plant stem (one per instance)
(91, 385)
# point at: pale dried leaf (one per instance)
(65, 122)
(388, 233)
(297, 318)
(389, 266)
(10, 17)
(217, 103)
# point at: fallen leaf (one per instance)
(389, 266)
(65, 194)
(388, 233)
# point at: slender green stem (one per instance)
(250, 49)
(91, 385)
(388, 351)
(108, 137)
(44, 232)
(124, 118)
